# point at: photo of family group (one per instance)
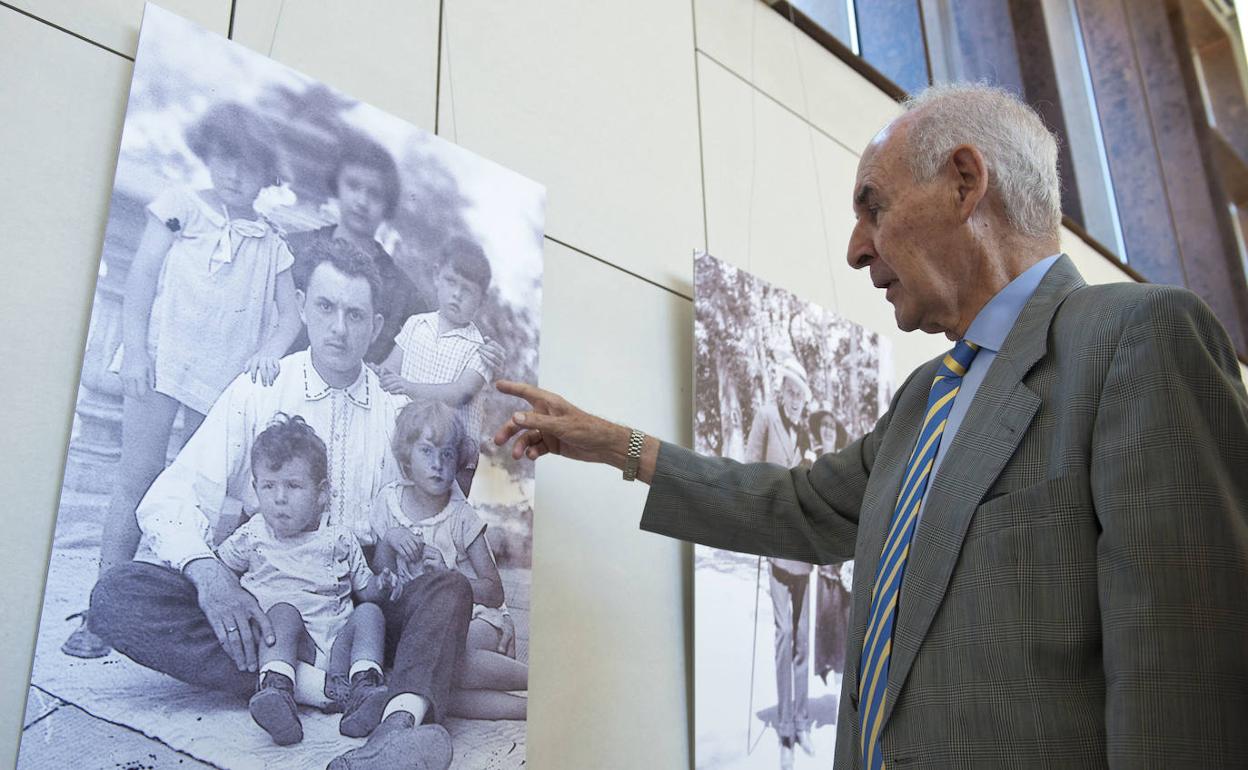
(283, 529)
(778, 380)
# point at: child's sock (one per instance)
(310, 686)
(363, 665)
(279, 667)
(411, 703)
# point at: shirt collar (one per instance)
(468, 331)
(315, 388)
(994, 321)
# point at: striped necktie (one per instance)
(878, 644)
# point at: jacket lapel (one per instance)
(1000, 414)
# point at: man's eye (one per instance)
(323, 305)
(356, 315)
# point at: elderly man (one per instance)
(1049, 523)
(188, 616)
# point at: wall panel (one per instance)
(611, 603)
(767, 173)
(762, 47)
(60, 133)
(598, 102)
(383, 52)
(115, 23)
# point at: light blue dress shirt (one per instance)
(988, 330)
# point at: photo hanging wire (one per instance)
(814, 161)
(281, 8)
(444, 47)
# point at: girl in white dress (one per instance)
(208, 296)
(424, 523)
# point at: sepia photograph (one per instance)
(776, 380)
(284, 538)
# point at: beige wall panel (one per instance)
(609, 611)
(384, 52)
(763, 196)
(1094, 266)
(764, 48)
(60, 133)
(115, 23)
(598, 102)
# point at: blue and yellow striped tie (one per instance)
(878, 644)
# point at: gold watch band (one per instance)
(633, 460)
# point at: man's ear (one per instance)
(301, 297)
(971, 173)
(378, 321)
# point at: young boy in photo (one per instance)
(443, 356)
(420, 526)
(303, 571)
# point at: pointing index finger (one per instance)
(531, 393)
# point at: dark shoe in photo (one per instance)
(400, 743)
(365, 703)
(803, 740)
(273, 707)
(83, 643)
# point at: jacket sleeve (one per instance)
(1169, 455)
(806, 514)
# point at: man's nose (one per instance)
(861, 249)
(338, 322)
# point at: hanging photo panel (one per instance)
(779, 380)
(280, 506)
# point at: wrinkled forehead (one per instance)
(881, 154)
(328, 282)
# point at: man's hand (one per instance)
(234, 614)
(554, 426)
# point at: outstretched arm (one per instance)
(806, 514)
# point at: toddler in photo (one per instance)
(208, 295)
(442, 355)
(420, 525)
(303, 571)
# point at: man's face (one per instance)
(792, 398)
(907, 235)
(290, 501)
(458, 298)
(338, 311)
(361, 199)
(431, 465)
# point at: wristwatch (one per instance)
(633, 459)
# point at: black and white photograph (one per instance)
(284, 537)
(778, 380)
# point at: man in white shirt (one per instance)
(187, 615)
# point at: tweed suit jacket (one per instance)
(1076, 593)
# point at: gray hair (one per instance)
(1020, 152)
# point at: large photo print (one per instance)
(778, 380)
(284, 538)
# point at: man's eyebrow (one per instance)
(864, 194)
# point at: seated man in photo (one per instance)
(188, 616)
